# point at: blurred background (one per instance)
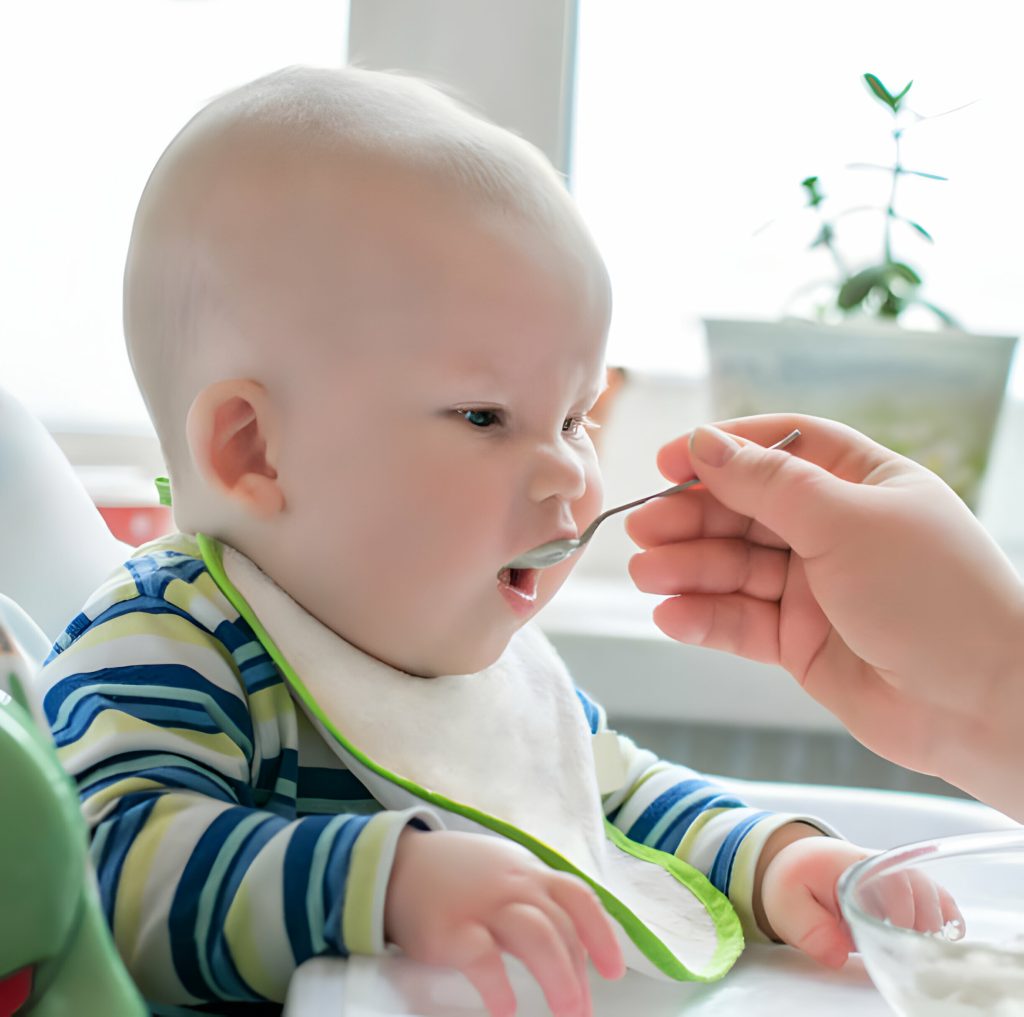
(684, 131)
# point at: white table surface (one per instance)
(767, 981)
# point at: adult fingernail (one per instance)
(712, 446)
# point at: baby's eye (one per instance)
(575, 426)
(480, 418)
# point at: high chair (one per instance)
(55, 548)
(57, 958)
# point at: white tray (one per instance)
(770, 981)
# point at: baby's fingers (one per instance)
(474, 952)
(593, 926)
(526, 932)
(951, 913)
(932, 905)
(911, 900)
(927, 903)
(816, 930)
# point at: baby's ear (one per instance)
(233, 435)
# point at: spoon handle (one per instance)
(589, 531)
(675, 489)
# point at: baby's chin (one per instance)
(453, 660)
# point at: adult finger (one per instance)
(836, 448)
(593, 925)
(733, 622)
(804, 504)
(526, 932)
(712, 566)
(692, 514)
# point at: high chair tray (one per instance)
(770, 981)
(767, 981)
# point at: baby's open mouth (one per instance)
(521, 582)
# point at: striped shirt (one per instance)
(230, 842)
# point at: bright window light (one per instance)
(696, 123)
(93, 91)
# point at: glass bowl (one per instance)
(964, 970)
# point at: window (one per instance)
(696, 123)
(92, 94)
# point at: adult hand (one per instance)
(463, 899)
(863, 575)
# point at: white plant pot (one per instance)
(932, 396)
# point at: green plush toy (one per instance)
(57, 958)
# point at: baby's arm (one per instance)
(795, 898)
(779, 871)
(213, 889)
(675, 809)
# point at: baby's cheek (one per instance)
(584, 511)
(586, 508)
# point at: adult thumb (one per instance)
(799, 501)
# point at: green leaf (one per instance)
(825, 236)
(898, 98)
(917, 226)
(918, 173)
(814, 196)
(878, 278)
(944, 316)
(859, 285)
(906, 88)
(892, 306)
(880, 91)
(898, 270)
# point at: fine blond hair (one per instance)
(177, 285)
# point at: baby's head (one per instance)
(368, 326)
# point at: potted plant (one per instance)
(932, 395)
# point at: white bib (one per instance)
(504, 751)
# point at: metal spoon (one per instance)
(545, 555)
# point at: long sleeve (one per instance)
(182, 740)
(675, 809)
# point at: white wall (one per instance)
(511, 59)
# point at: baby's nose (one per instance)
(558, 472)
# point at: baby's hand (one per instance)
(462, 899)
(798, 895)
(910, 900)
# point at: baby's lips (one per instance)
(522, 582)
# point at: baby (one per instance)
(369, 327)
